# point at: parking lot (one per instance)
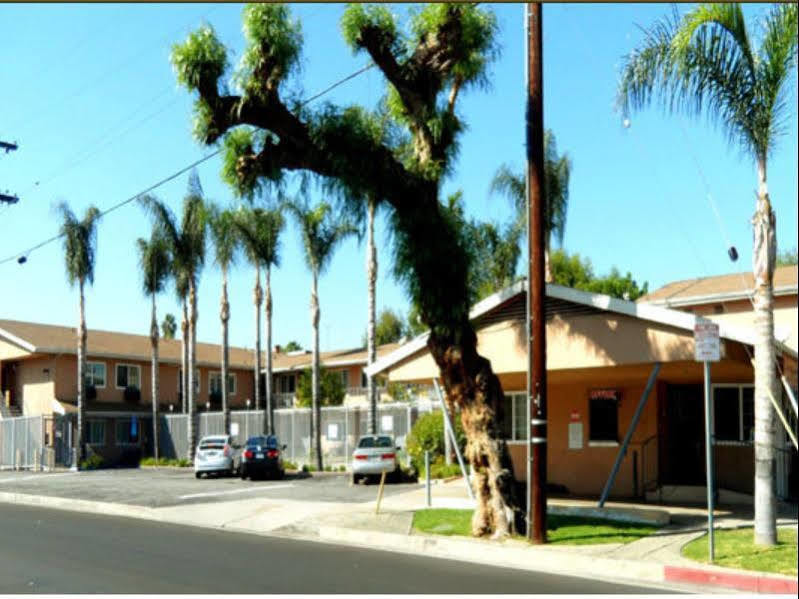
(162, 487)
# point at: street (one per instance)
(52, 551)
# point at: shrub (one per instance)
(289, 465)
(93, 462)
(427, 434)
(331, 389)
(182, 462)
(132, 394)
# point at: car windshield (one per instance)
(375, 442)
(270, 441)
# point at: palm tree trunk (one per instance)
(763, 258)
(184, 358)
(224, 316)
(371, 350)
(154, 375)
(269, 425)
(192, 401)
(316, 411)
(81, 376)
(258, 298)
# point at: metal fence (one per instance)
(21, 442)
(340, 428)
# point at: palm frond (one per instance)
(80, 242)
(222, 227)
(154, 262)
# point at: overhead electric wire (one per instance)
(185, 169)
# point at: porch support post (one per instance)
(623, 449)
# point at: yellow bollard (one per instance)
(380, 492)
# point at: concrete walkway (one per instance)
(655, 559)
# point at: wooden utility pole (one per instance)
(536, 290)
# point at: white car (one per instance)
(374, 454)
(217, 454)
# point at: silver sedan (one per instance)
(217, 453)
(374, 454)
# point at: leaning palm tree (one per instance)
(221, 225)
(557, 171)
(80, 253)
(259, 231)
(187, 247)
(320, 233)
(706, 62)
(154, 261)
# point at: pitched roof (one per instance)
(48, 339)
(719, 288)
(652, 313)
(54, 339)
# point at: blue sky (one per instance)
(89, 94)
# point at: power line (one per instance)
(26, 253)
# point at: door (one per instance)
(683, 438)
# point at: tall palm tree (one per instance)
(154, 261)
(705, 62)
(259, 231)
(80, 253)
(321, 232)
(221, 225)
(187, 247)
(371, 349)
(169, 326)
(557, 171)
(182, 293)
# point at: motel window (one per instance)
(95, 374)
(515, 417)
(215, 383)
(285, 383)
(196, 381)
(603, 419)
(127, 431)
(345, 378)
(733, 413)
(95, 432)
(128, 375)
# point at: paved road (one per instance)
(167, 486)
(50, 551)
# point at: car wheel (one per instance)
(243, 473)
(281, 474)
(198, 474)
(355, 478)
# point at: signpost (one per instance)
(707, 349)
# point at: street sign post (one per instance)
(707, 349)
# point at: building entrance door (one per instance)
(682, 436)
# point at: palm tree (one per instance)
(221, 224)
(259, 231)
(187, 246)
(80, 253)
(557, 171)
(706, 62)
(154, 261)
(320, 233)
(169, 326)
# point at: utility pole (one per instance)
(5, 197)
(536, 290)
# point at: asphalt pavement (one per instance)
(162, 487)
(52, 551)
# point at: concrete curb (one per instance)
(726, 577)
(82, 505)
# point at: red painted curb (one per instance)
(754, 583)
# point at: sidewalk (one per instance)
(655, 559)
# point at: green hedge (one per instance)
(427, 434)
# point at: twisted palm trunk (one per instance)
(371, 350)
(269, 426)
(224, 316)
(184, 357)
(154, 371)
(316, 411)
(192, 428)
(763, 258)
(81, 375)
(258, 298)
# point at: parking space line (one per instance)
(36, 476)
(214, 494)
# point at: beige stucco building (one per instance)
(600, 353)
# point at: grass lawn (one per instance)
(561, 530)
(736, 549)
